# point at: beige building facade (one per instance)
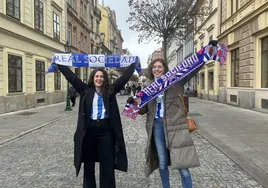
(243, 81)
(207, 80)
(30, 32)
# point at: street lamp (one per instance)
(67, 48)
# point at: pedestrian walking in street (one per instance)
(139, 88)
(128, 88)
(133, 88)
(169, 140)
(99, 136)
(72, 93)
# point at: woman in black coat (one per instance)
(99, 136)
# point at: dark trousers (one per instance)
(99, 141)
(73, 100)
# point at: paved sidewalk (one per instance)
(240, 133)
(15, 124)
(44, 159)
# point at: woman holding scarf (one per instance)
(99, 135)
(169, 140)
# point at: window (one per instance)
(234, 6)
(56, 26)
(81, 8)
(69, 33)
(57, 80)
(39, 15)
(82, 41)
(85, 44)
(13, 8)
(72, 3)
(85, 12)
(74, 37)
(264, 62)
(202, 80)
(40, 75)
(210, 5)
(235, 68)
(210, 80)
(14, 73)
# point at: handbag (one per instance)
(190, 122)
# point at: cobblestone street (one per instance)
(44, 158)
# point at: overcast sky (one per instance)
(130, 37)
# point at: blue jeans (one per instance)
(162, 152)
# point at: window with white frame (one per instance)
(56, 26)
(39, 15)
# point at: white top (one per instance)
(98, 110)
(159, 106)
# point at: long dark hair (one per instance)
(150, 67)
(105, 84)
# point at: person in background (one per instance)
(72, 93)
(128, 88)
(133, 89)
(139, 88)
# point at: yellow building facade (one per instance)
(104, 24)
(207, 81)
(30, 32)
(243, 81)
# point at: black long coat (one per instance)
(111, 107)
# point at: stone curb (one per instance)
(2, 143)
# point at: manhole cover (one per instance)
(195, 114)
(26, 113)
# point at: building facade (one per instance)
(79, 29)
(30, 32)
(207, 80)
(243, 81)
(157, 54)
(111, 36)
(176, 53)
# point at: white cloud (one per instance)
(142, 50)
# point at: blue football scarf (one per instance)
(217, 52)
(91, 60)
